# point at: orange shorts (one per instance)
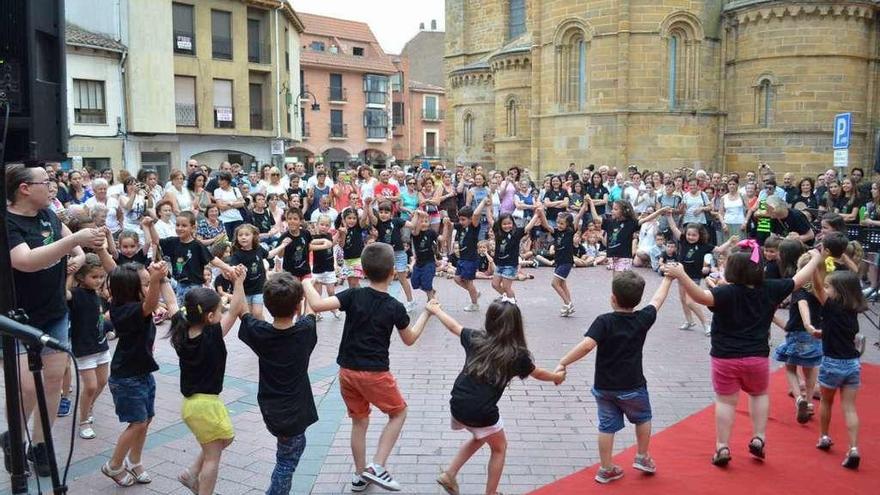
(362, 388)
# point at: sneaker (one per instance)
(644, 464)
(358, 483)
(86, 432)
(803, 411)
(825, 443)
(609, 475)
(64, 407)
(470, 308)
(852, 459)
(707, 330)
(570, 308)
(686, 326)
(380, 476)
(40, 458)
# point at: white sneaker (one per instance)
(358, 483)
(472, 307)
(686, 326)
(380, 476)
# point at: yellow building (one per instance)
(714, 84)
(211, 79)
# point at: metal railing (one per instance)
(261, 119)
(338, 93)
(259, 53)
(338, 131)
(221, 47)
(432, 114)
(186, 114)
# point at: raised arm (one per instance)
(158, 272)
(661, 293)
(433, 307)
(697, 293)
(673, 226)
(478, 211)
(537, 217)
(411, 334)
(237, 306)
(655, 214)
(806, 273)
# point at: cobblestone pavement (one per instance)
(551, 430)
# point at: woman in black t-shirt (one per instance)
(494, 357)
(556, 200)
(197, 333)
(598, 193)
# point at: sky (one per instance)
(394, 22)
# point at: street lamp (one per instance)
(315, 106)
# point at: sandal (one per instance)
(114, 474)
(721, 457)
(188, 480)
(143, 478)
(448, 483)
(757, 451)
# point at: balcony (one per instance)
(338, 95)
(221, 48)
(338, 131)
(306, 130)
(184, 42)
(432, 115)
(224, 118)
(374, 98)
(261, 120)
(259, 53)
(186, 114)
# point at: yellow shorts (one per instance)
(207, 417)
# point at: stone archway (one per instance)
(336, 159)
(302, 155)
(215, 157)
(374, 158)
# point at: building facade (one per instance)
(716, 84)
(345, 94)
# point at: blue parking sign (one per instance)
(842, 127)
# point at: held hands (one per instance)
(559, 375)
(158, 271)
(433, 307)
(673, 270)
(92, 238)
(239, 273)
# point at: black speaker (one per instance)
(33, 80)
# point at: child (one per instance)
(670, 253)
(842, 300)
(507, 240)
(619, 385)
(743, 308)
(656, 251)
(371, 314)
(165, 224)
(467, 235)
(389, 232)
(835, 245)
(247, 251)
(131, 369)
(294, 246)
(620, 229)
(197, 333)
(800, 349)
(424, 245)
(771, 257)
(593, 253)
(324, 271)
(188, 257)
(130, 250)
(283, 348)
(87, 336)
(563, 253)
(493, 357)
(487, 265)
(351, 237)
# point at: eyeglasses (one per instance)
(42, 182)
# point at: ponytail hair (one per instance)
(198, 303)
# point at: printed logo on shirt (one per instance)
(47, 232)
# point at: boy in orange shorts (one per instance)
(371, 314)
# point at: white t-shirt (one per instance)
(184, 197)
(734, 210)
(331, 212)
(232, 214)
(165, 229)
(647, 233)
(112, 206)
(366, 189)
(115, 190)
(313, 181)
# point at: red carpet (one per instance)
(793, 466)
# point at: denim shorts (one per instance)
(839, 373)
(400, 261)
(508, 272)
(181, 291)
(800, 349)
(254, 299)
(133, 397)
(58, 329)
(423, 276)
(467, 269)
(614, 404)
(562, 271)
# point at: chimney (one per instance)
(433, 24)
(421, 26)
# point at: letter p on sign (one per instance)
(842, 127)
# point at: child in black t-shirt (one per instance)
(467, 235)
(507, 243)
(620, 230)
(619, 385)
(283, 348)
(424, 244)
(371, 315)
(324, 269)
(563, 253)
(771, 257)
(247, 251)
(131, 369)
(130, 250)
(482, 381)
(197, 333)
(294, 246)
(188, 257)
(487, 263)
(389, 231)
(350, 236)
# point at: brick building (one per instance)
(346, 73)
(716, 84)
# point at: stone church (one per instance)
(714, 84)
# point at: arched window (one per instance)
(468, 130)
(511, 118)
(516, 18)
(683, 35)
(764, 103)
(675, 49)
(572, 50)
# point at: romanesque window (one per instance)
(516, 18)
(468, 130)
(572, 50)
(764, 103)
(511, 118)
(683, 34)
(674, 61)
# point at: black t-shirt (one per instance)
(796, 221)
(135, 335)
(799, 201)
(203, 362)
(467, 240)
(323, 257)
(668, 258)
(423, 245)
(389, 232)
(475, 403)
(296, 255)
(563, 245)
(839, 329)
(42, 294)
(370, 317)
(620, 236)
(693, 256)
(507, 247)
(771, 270)
(86, 322)
(620, 337)
(284, 393)
(795, 322)
(263, 221)
(354, 242)
(741, 325)
(597, 193)
(256, 269)
(223, 283)
(553, 195)
(188, 260)
(138, 257)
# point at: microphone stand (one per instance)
(35, 364)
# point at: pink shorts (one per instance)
(621, 264)
(750, 374)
